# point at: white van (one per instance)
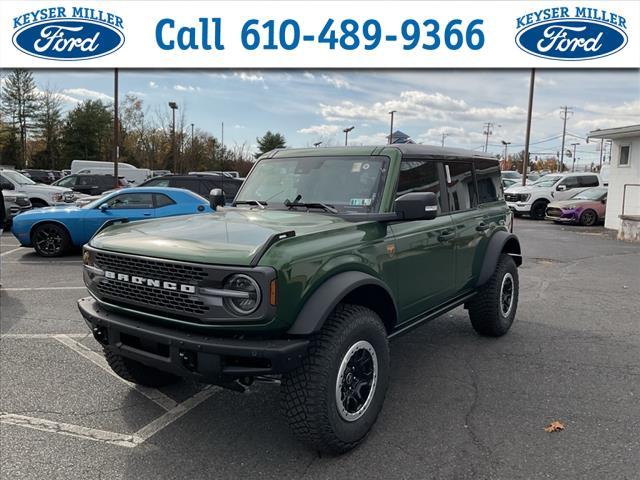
(133, 174)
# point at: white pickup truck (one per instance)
(39, 194)
(533, 199)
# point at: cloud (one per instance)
(372, 139)
(153, 84)
(336, 81)
(80, 94)
(308, 75)
(239, 126)
(321, 130)
(186, 88)
(249, 77)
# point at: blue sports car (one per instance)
(53, 231)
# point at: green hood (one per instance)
(227, 237)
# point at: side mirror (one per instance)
(417, 206)
(561, 188)
(7, 186)
(104, 207)
(216, 198)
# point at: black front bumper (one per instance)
(202, 358)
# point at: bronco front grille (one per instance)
(173, 272)
(126, 293)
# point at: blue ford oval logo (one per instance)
(570, 39)
(68, 39)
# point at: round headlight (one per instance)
(247, 299)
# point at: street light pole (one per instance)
(444, 135)
(174, 107)
(317, 144)
(573, 165)
(346, 134)
(565, 113)
(392, 112)
(116, 130)
(193, 153)
(506, 145)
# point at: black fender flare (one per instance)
(324, 300)
(500, 242)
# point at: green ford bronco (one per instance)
(324, 256)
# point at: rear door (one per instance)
(468, 221)
(423, 260)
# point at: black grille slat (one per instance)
(160, 299)
(173, 272)
(510, 197)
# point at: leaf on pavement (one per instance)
(555, 426)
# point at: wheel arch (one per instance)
(46, 221)
(38, 200)
(501, 242)
(353, 287)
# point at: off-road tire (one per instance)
(53, 229)
(538, 209)
(588, 218)
(308, 394)
(136, 372)
(486, 310)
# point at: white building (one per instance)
(624, 180)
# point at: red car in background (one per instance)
(586, 208)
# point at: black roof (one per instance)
(414, 149)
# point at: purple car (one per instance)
(586, 207)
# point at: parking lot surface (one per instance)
(458, 406)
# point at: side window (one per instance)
(231, 188)
(588, 181)
(625, 151)
(188, 184)
(88, 180)
(488, 181)
(161, 182)
(570, 182)
(68, 182)
(419, 176)
(131, 200)
(460, 186)
(163, 201)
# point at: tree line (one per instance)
(35, 132)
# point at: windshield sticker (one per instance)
(355, 168)
(360, 202)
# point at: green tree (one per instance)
(87, 132)
(269, 141)
(18, 107)
(48, 126)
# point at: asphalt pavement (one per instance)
(458, 407)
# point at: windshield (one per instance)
(349, 184)
(590, 194)
(17, 177)
(547, 181)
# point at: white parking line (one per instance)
(42, 335)
(39, 289)
(3, 254)
(94, 434)
(152, 394)
(175, 413)
(42, 262)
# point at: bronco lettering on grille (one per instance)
(150, 282)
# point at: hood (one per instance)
(50, 212)
(45, 188)
(228, 237)
(519, 189)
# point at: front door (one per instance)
(131, 206)
(424, 259)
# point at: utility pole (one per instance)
(116, 130)
(573, 165)
(525, 164)
(193, 153)
(392, 112)
(346, 134)
(565, 113)
(601, 152)
(488, 131)
(444, 135)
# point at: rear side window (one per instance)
(188, 184)
(160, 182)
(419, 176)
(460, 186)
(69, 181)
(488, 181)
(588, 181)
(163, 201)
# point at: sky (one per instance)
(316, 105)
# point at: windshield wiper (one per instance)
(260, 204)
(324, 206)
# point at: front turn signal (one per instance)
(273, 290)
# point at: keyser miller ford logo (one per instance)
(556, 34)
(61, 33)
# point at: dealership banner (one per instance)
(319, 34)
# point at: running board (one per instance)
(431, 315)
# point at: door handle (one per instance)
(483, 227)
(446, 235)
(146, 214)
